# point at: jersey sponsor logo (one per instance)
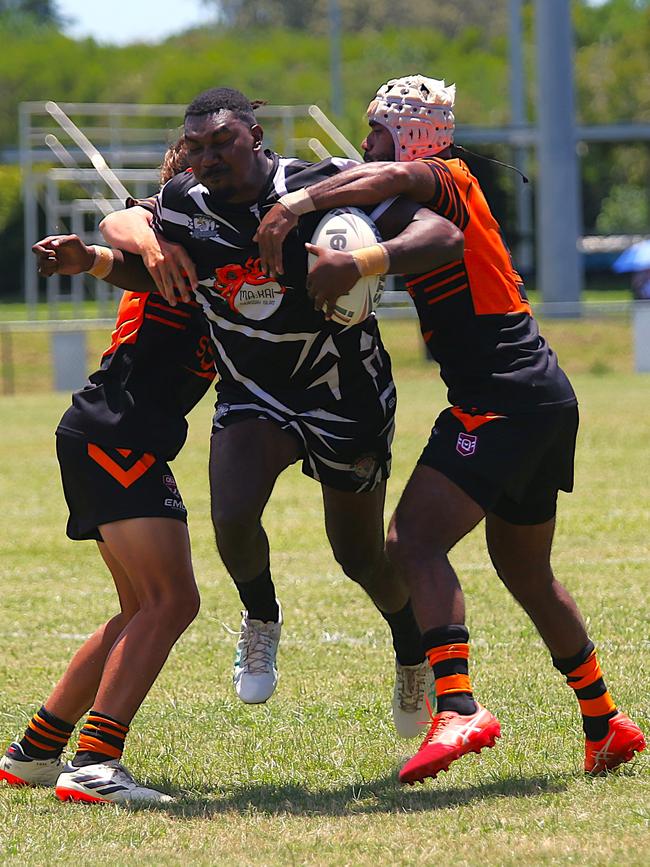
(174, 504)
(248, 290)
(466, 444)
(203, 227)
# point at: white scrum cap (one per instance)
(418, 112)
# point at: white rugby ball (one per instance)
(350, 229)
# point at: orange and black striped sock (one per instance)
(100, 740)
(584, 676)
(46, 735)
(447, 650)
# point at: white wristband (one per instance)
(104, 261)
(298, 203)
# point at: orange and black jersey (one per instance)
(474, 314)
(159, 365)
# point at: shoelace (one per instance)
(410, 689)
(438, 723)
(257, 655)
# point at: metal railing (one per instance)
(78, 176)
(69, 362)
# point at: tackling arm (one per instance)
(169, 264)
(67, 254)
(366, 184)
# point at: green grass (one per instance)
(310, 778)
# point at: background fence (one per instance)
(59, 354)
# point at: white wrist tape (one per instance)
(371, 260)
(298, 203)
(104, 261)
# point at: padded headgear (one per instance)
(418, 113)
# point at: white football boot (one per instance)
(19, 769)
(105, 783)
(413, 687)
(255, 675)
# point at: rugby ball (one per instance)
(350, 229)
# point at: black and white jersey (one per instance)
(267, 336)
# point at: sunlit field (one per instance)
(311, 777)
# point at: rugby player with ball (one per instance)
(294, 385)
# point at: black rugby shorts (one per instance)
(346, 447)
(512, 466)
(102, 484)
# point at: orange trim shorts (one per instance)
(103, 484)
(512, 466)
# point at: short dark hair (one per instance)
(222, 99)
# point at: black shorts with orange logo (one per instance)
(102, 484)
(512, 466)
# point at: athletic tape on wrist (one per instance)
(371, 260)
(298, 203)
(104, 261)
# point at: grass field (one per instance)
(310, 778)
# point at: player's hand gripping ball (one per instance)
(349, 229)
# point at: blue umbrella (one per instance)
(635, 258)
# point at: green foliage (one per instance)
(11, 230)
(446, 17)
(278, 50)
(626, 209)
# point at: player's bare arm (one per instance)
(366, 184)
(167, 262)
(67, 254)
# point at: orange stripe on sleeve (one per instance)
(164, 321)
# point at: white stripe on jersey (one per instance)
(245, 381)
(247, 330)
(197, 192)
(280, 176)
(323, 415)
(173, 216)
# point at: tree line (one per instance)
(278, 50)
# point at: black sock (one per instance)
(407, 640)
(584, 676)
(258, 597)
(45, 736)
(100, 740)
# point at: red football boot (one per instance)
(623, 739)
(451, 736)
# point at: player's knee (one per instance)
(174, 606)
(234, 526)
(359, 564)
(179, 611)
(405, 550)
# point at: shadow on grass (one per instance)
(383, 795)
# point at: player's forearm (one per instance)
(369, 184)
(129, 272)
(129, 230)
(426, 243)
